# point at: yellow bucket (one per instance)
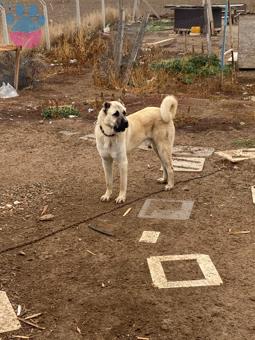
(195, 29)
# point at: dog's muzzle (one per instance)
(121, 125)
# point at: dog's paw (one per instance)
(120, 199)
(168, 187)
(106, 197)
(161, 180)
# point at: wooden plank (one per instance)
(246, 55)
(17, 66)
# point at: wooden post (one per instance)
(207, 28)
(135, 49)
(17, 66)
(210, 16)
(4, 25)
(78, 14)
(151, 8)
(46, 25)
(134, 10)
(103, 13)
(119, 40)
(231, 40)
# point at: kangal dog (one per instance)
(117, 134)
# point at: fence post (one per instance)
(78, 13)
(46, 25)
(4, 25)
(103, 13)
(135, 49)
(119, 40)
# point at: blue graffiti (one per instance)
(25, 23)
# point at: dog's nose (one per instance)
(126, 123)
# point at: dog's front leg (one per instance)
(107, 165)
(123, 167)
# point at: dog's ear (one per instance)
(106, 106)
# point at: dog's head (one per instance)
(113, 115)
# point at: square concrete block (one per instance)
(166, 209)
(149, 236)
(8, 318)
(212, 277)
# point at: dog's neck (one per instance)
(106, 134)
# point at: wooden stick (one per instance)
(31, 323)
(127, 212)
(32, 316)
(17, 65)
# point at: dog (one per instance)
(117, 135)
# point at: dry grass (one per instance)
(69, 42)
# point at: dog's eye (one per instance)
(116, 114)
(124, 113)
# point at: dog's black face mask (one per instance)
(121, 123)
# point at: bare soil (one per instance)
(93, 286)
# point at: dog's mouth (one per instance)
(121, 127)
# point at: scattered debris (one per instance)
(32, 324)
(9, 206)
(237, 155)
(103, 285)
(16, 202)
(100, 230)
(48, 217)
(127, 212)
(7, 91)
(20, 337)
(33, 316)
(192, 151)
(19, 310)
(45, 208)
(253, 194)
(90, 252)
(68, 133)
(91, 136)
(78, 330)
(238, 232)
(141, 338)
(22, 253)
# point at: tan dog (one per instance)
(117, 135)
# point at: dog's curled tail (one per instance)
(168, 108)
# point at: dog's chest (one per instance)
(110, 148)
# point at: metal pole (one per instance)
(78, 13)
(46, 25)
(5, 27)
(224, 35)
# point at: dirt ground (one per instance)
(93, 286)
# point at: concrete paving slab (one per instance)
(212, 277)
(8, 318)
(185, 164)
(166, 209)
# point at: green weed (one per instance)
(59, 112)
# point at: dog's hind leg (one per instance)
(164, 153)
(164, 178)
(107, 165)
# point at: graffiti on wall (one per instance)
(25, 24)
